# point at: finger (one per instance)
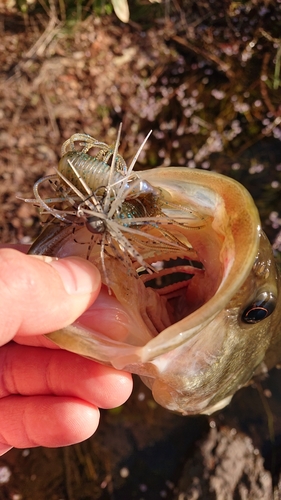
(41, 294)
(106, 315)
(45, 421)
(29, 371)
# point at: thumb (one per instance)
(39, 294)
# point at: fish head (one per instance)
(193, 341)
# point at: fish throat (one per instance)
(171, 284)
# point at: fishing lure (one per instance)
(101, 193)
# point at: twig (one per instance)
(52, 117)
(276, 80)
(68, 475)
(263, 86)
(39, 47)
(207, 55)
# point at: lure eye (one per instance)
(260, 309)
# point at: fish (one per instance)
(182, 254)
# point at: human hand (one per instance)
(50, 397)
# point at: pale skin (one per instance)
(50, 397)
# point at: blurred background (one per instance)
(205, 77)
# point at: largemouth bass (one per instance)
(182, 254)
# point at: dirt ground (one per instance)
(205, 77)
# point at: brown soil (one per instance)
(204, 79)
(225, 465)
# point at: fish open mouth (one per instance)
(184, 277)
(161, 252)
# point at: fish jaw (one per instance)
(192, 364)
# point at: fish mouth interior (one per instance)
(179, 274)
(172, 280)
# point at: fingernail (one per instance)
(79, 276)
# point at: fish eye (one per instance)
(260, 309)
